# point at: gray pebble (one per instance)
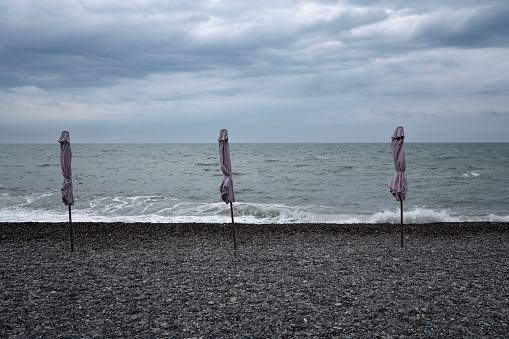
(296, 280)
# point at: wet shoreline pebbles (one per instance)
(295, 280)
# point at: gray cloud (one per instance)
(496, 114)
(132, 61)
(469, 27)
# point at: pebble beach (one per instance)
(148, 280)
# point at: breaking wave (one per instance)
(150, 209)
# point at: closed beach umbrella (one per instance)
(398, 185)
(226, 186)
(65, 162)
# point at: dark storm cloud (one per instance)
(484, 27)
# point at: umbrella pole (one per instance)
(233, 228)
(70, 226)
(401, 223)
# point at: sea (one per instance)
(273, 183)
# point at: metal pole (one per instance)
(401, 222)
(233, 228)
(70, 225)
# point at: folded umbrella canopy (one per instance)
(398, 185)
(226, 186)
(65, 162)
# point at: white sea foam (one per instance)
(470, 174)
(243, 213)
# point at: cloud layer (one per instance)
(267, 70)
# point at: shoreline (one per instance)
(115, 232)
(19, 229)
(284, 280)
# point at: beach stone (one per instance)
(317, 280)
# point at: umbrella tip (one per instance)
(223, 135)
(64, 137)
(398, 133)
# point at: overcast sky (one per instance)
(268, 71)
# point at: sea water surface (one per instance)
(274, 183)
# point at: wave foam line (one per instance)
(243, 213)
